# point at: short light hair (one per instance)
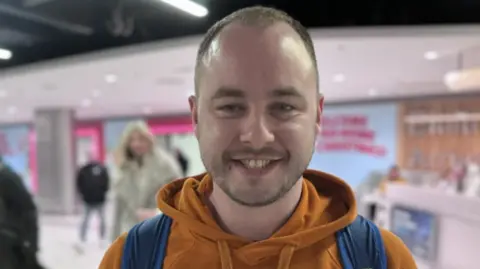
(254, 16)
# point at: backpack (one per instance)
(360, 245)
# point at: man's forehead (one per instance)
(258, 59)
(238, 37)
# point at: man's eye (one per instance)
(284, 107)
(231, 108)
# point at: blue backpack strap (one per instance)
(360, 246)
(146, 243)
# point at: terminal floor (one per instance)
(58, 237)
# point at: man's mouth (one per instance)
(256, 167)
(255, 163)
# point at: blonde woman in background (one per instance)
(140, 170)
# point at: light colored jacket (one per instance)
(134, 187)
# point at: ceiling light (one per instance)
(86, 102)
(3, 94)
(372, 92)
(431, 55)
(111, 78)
(339, 78)
(188, 6)
(12, 110)
(463, 80)
(5, 54)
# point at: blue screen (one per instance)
(417, 229)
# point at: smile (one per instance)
(255, 164)
(255, 167)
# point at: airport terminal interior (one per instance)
(400, 125)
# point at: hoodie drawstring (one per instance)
(226, 258)
(286, 257)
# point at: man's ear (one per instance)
(320, 110)
(192, 101)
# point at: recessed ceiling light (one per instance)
(111, 78)
(431, 55)
(96, 93)
(5, 54)
(86, 102)
(372, 92)
(12, 110)
(3, 94)
(339, 78)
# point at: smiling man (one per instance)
(257, 111)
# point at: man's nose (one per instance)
(256, 131)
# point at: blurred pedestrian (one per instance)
(92, 185)
(182, 160)
(141, 169)
(18, 223)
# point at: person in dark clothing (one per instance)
(182, 160)
(92, 184)
(18, 223)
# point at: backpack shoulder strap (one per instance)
(360, 246)
(146, 244)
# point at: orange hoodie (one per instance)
(307, 239)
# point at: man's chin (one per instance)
(251, 201)
(253, 192)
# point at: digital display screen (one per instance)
(418, 230)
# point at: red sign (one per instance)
(348, 133)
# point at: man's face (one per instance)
(257, 112)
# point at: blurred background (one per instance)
(401, 81)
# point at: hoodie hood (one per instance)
(326, 206)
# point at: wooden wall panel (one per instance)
(431, 145)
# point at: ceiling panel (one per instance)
(11, 37)
(160, 75)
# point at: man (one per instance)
(257, 113)
(92, 185)
(18, 223)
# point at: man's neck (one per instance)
(253, 223)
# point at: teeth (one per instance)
(255, 163)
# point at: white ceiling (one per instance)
(158, 77)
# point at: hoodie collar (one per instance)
(326, 206)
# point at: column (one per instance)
(55, 140)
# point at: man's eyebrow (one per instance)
(228, 92)
(237, 93)
(285, 92)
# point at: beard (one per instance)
(262, 191)
(257, 192)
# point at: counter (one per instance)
(454, 224)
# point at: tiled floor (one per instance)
(58, 236)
